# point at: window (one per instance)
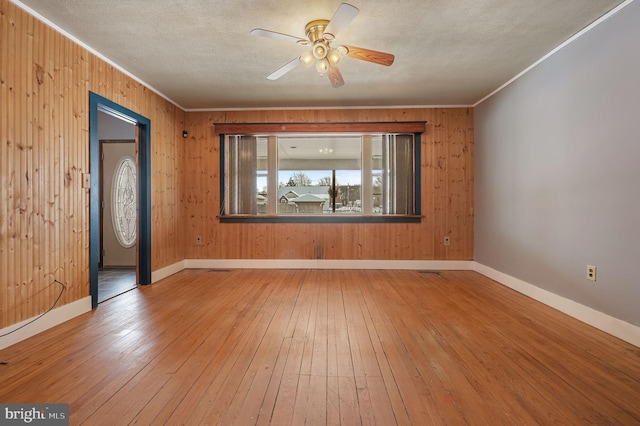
(320, 175)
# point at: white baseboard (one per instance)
(167, 271)
(442, 265)
(50, 319)
(614, 326)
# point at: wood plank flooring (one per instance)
(320, 347)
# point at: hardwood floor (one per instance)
(323, 347)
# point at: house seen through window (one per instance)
(366, 175)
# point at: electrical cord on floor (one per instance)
(39, 316)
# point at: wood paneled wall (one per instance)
(45, 81)
(447, 195)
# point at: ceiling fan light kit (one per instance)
(322, 66)
(320, 34)
(307, 59)
(320, 49)
(334, 56)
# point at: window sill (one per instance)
(302, 218)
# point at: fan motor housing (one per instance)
(315, 29)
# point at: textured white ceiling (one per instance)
(200, 53)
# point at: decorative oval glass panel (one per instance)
(123, 201)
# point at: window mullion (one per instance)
(272, 175)
(367, 176)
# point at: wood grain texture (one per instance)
(446, 181)
(327, 347)
(45, 81)
(336, 127)
(369, 55)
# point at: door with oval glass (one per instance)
(119, 204)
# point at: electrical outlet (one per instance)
(199, 240)
(447, 240)
(591, 272)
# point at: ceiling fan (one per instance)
(320, 34)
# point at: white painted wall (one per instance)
(557, 171)
(113, 128)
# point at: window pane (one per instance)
(349, 191)
(397, 174)
(241, 163)
(262, 175)
(310, 166)
(376, 173)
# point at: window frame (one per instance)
(280, 129)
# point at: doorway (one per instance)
(118, 221)
(120, 206)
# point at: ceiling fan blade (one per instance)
(368, 55)
(335, 76)
(284, 69)
(279, 36)
(343, 17)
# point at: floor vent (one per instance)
(429, 272)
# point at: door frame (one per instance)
(143, 126)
